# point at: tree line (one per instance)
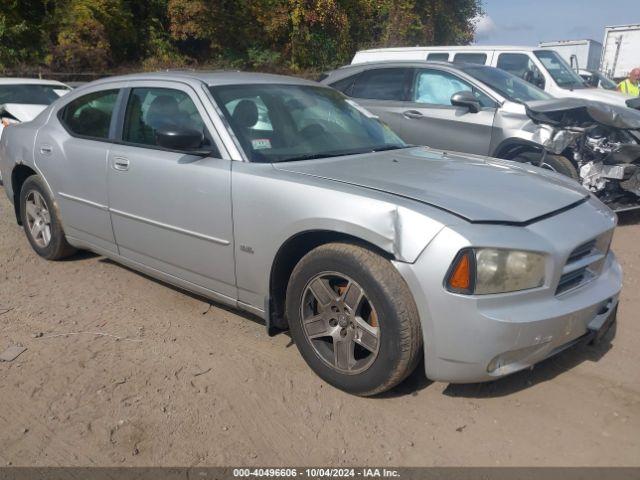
(274, 35)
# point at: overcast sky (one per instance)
(528, 22)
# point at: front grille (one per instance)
(571, 280)
(584, 263)
(582, 251)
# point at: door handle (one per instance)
(121, 163)
(46, 149)
(413, 114)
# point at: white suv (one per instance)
(541, 67)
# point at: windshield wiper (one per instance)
(389, 147)
(315, 156)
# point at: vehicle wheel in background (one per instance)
(557, 163)
(40, 221)
(353, 318)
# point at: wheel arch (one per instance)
(288, 256)
(512, 147)
(18, 176)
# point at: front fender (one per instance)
(270, 207)
(399, 231)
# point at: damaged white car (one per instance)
(22, 99)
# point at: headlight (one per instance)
(481, 271)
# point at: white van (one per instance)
(543, 68)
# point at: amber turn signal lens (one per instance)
(460, 278)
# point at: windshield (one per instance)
(559, 70)
(279, 123)
(32, 94)
(509, 86)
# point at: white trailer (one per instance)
(621, 51)
(580, 54)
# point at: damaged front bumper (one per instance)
(478, 338)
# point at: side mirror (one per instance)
(466, 99)
(177, 139)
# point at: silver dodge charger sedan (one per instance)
(284, 198)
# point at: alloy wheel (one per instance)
(38, 219)
(340, 322)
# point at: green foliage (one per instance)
(23, 26)
(275, 35)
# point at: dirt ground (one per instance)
(190, 383)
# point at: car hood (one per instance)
(599, 95)
(566, 112)
(478, 189)
(22, 111)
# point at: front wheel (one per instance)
(40, 221)
(353, 318)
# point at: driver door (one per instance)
(171, 210)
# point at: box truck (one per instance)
(621, 50)
(580, 54)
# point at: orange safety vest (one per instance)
(629, 88)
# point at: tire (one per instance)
(556, 163)
(41, 222)
(386, 306)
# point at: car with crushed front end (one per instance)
(283, 198)
(487, 111)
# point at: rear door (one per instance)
(171, 210)
(71, 151)
(384, 92)
(430, 118)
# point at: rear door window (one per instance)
(479, 58)
(382, 84)
(150, 110)
(90, 115)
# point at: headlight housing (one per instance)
(483, 271)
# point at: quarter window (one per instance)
(479, 58)
(435, 87)
(90, 115)
(381, 84)
(150, 110)
(344, 85)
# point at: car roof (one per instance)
(405, 63)
(452, 48)
(211, 78)
(29, 81)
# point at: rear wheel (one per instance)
(556, 163)
(353, 318)
(41, 222)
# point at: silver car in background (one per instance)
(283, 198)
(487, 111)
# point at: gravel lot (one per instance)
(203, 385)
